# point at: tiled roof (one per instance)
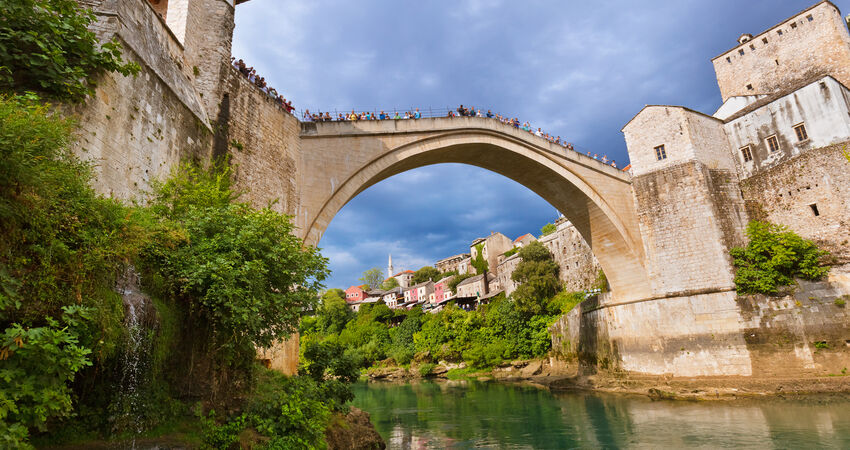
(524, 235)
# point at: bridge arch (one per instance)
(342, 159)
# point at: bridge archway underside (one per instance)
(339, 160)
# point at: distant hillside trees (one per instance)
(426, 273)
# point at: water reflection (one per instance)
(462, 415)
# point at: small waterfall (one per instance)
(128, 408)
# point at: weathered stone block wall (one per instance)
(717, 334)
(208, 40)
(803, 332)
(810, 48)
(784, 194)
(136, 129)
(822, 107)
(263, 142)
(689, 216)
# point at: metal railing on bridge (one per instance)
(339, 115)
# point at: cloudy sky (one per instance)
(578, 69)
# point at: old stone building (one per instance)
(475, 287)
(772, 151)
(578, 267)
(491, 247)
(453, 263)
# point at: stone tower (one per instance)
(689, 204)
(390, 272)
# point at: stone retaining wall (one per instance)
(803, 332)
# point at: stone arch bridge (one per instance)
(345, 158)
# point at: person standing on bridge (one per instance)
(383, 116)
(397, 116)
(417, 114)
(353, 116)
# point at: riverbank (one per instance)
(558, 375)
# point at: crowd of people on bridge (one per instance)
(251, 74)
(461, 111)
(307, 116)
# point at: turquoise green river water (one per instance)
(460, 415)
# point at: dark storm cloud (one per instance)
(580, 70)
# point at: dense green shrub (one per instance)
(328, 363)
(773, 257)
(486, 355)
(241, 271)
(38, 364)
(333, 312)
(61, 243)
(61, 248)
(46, 46)
(288, 411)
(537, 278)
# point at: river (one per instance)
(469, 414)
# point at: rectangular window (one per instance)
(779, 32)
(814, 208)
(800, 130)
(747, 153)
(660, 153)
(752, 47)
(749, 87)
(793, 25)
(772, 143)
(810, 18)
(741, 51)
(764, 40)
(728, 59)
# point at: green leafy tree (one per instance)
(333, 313)
(426, 273)
(47, 46)
(479, 262)
(773, 257)
(373, 278)
(537, 279)
(549, 228)
(242, 271)
(389, 283)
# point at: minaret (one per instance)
(390, 272)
